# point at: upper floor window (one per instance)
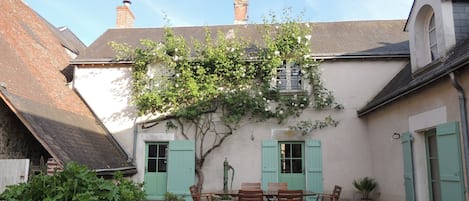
(432, 38)
(289, 77)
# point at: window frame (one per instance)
(432, 38)
(292, 71)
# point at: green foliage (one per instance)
(219, 74)
(365, 185)
(75, 182)
(172, 197)
(307, 126)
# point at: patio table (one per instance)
(268, 194)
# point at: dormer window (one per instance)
(432, 38)
(289, 77)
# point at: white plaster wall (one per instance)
(434, 105)
(444, 27)
(346, 149)
(108, 93)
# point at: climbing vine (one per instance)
(189, 81)
(170, 78)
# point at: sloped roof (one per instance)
(70, 41)
(404, 83)
(33, 87)
(329, 39)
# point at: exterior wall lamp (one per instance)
(396, 136)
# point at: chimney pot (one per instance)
(124, 17)
(241, 11)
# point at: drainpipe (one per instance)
(463, 112)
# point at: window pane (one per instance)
(295, 78)
(285, 166)
(151, 165)
(432, 149)
(282, 78)
(287, 150)
(297, 166)
(161, 165)
(152, 150)
(162, 151)
(282, 151)
(434, 169)
(296, 150)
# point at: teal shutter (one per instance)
(314, 180)
(406, 140)
(449, 162)
(269, 162)
(181, 167)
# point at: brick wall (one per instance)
(461, 20)
(16, 142)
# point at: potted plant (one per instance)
(365, 185)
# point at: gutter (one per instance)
(463, 113)
(126, 171)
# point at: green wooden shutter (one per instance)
(314, 179)
(406, 140)
(181, 167)
(449, 162)
(269, 162)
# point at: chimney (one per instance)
(125, 18)
(241, 11)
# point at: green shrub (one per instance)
(172, 197)
(74, 183)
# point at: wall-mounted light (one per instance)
(396, 136)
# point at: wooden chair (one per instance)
(251, 186)
(274, 186)
(196, 195)
(250, 195)
(290, 195)
(332, 197)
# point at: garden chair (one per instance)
(275, 186)
(290, 195)
(334, 196)
(251, 186)
(196, 195)
(250, 195)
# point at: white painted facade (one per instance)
(346, 149)
(417, 26)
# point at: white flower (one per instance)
(299, 39)
(302, 105)
(307, 25)
(276, 27)
(177, 85)
(308, 37)
(260, 93)
(277, 52)
(232, 50)
(177, 74)
(280, 112)
(176, 50)
(176, 58)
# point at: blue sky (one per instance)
(88, 19)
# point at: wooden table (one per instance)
(268, 194)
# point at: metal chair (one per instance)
(196, 195)
(290, 195)
(250, 195)
(334, 196)
(251, 186)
